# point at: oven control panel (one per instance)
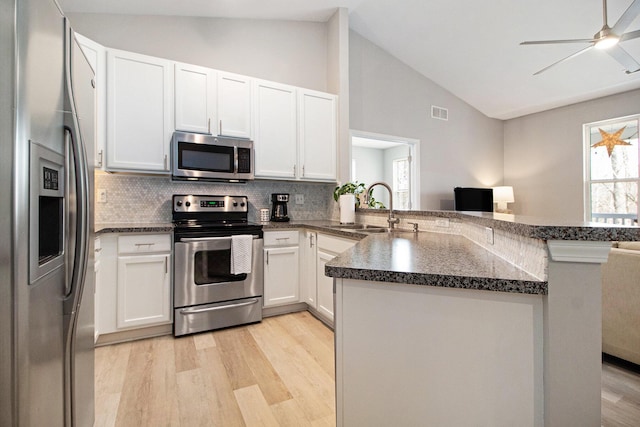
(200, 203)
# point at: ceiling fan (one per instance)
(606, 39)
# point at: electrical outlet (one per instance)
(489, 234)
(299, 199)
(442, 222)
(102, 195)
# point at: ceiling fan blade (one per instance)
(623, 57)
(630, 35)
(573, 55)
(627, 17)
(558, 41)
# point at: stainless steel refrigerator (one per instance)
(46, 219)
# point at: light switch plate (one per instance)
(442, 222)
(489, 234)
(101, 195)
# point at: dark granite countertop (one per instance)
(152, 227)
(431, 259)
(324, 226)
(527, 226)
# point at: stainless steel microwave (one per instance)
(200, 157)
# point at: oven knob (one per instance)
(179, 203)
(187, 204)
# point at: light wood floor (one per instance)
(620, 394)
(276, 373)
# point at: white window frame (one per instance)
(414, 145)
(588, 217)
(394, 184)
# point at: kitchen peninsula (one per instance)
(494, 320)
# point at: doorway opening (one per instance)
(391, 159)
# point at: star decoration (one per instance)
(610, 140)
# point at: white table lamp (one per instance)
(503, 195)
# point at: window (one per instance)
(612, 177)
(401, 180)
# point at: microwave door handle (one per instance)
(235, 159)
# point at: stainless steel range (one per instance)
(208, 294)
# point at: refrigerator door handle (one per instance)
(82, 218)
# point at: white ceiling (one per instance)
(469, 47)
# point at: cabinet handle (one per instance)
(100, 161)
(220, 133)
(165, 162)
(294, 170)
(282, 238)
(209, 125)
(311, 240)
(166, 266)
(97, 250)
(303, 170)
(267, 260)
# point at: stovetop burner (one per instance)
(212, 214)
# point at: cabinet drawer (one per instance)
(144, 243)
(281, 238)
(334, 244)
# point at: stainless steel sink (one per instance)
(385, 230)
(364, 228)
(357, 227)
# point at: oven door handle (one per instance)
(207, 239)
(187, 311)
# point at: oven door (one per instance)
(202, 271)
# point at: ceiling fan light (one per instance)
(607, 42)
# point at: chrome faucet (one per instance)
(392, 220)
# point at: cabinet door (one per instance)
(275, 130)
(195, 98)
(308, 274)
(234, 105)
(97, 56)
(144, 297)
(139, 112)
(325, 286)
(281, 276)
(318, 135)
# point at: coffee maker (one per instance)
(279, 207)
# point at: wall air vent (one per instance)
(439, 113)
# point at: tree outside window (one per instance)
(612, 171)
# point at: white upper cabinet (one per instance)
(97, 57)
(234, 105)
(275, 130)
(195, 98)
(139, 112)
(317, 135)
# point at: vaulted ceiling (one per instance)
(469, 47)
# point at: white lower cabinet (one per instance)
(281, 258)
(143, 290)
(133, 282)
(320, 249)
(324, 286)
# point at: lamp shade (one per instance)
(503, 194)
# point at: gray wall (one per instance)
(544, 155)
(388, 97)
(369, 169)
(288, 52)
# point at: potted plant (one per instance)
(357, 189)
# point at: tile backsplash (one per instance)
(147, 198)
